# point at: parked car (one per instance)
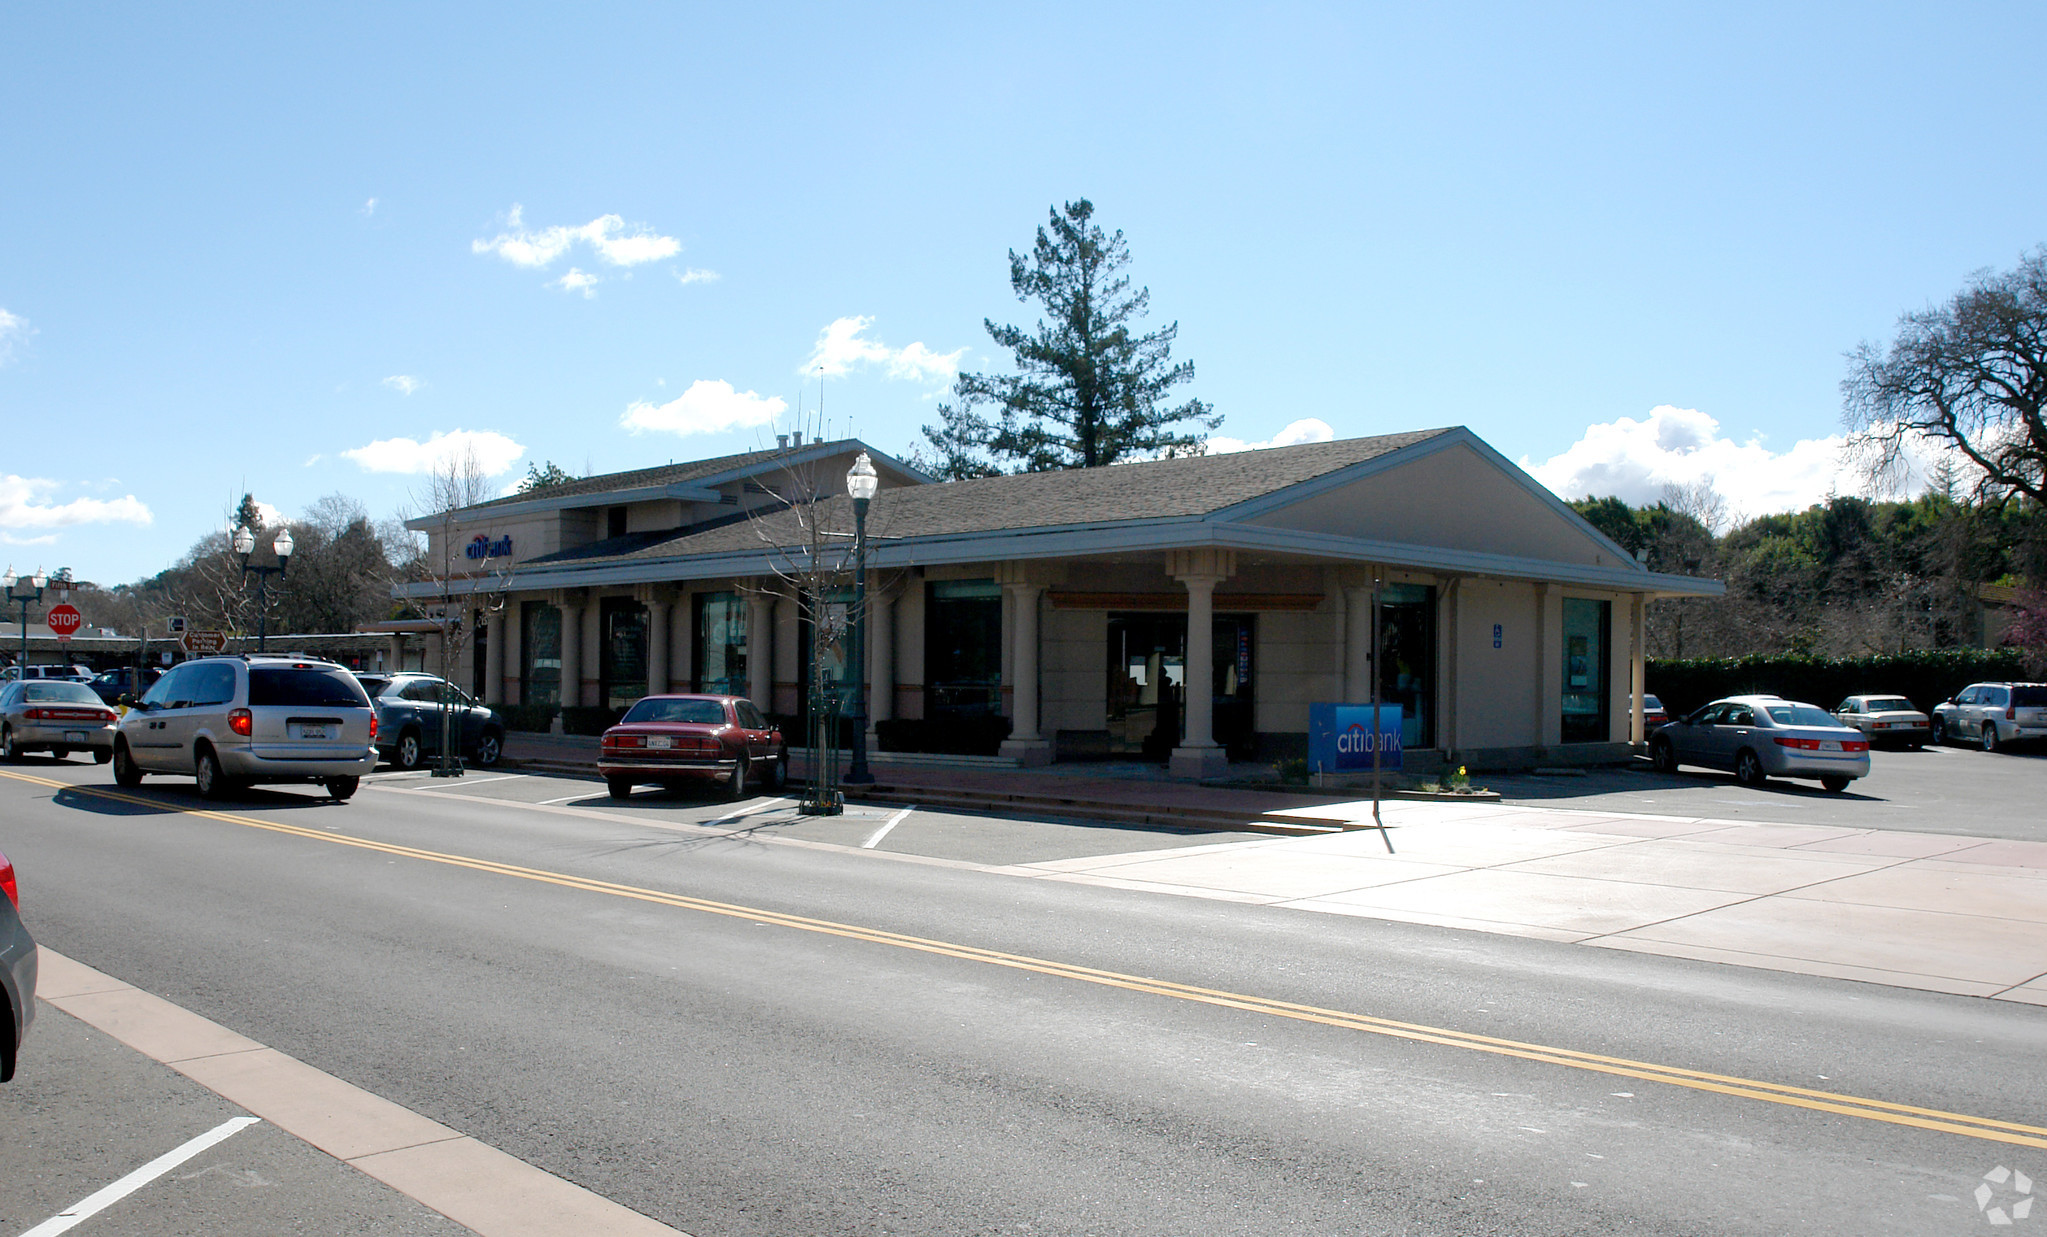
(409, 720)
(68, 674)
(1885, 719)
(55, 716)
(675, 741)
(1761, 737)
(1653, 714)
(1993, 714)
(17, 972)
(230, 722)
(113, 684)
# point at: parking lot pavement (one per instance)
(86, 1110)
(988, 839)
(1956, 790)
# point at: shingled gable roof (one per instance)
(1185, 488)
(720, 468)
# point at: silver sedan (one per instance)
(1885, 719)
(1761, 737)
(54, 716)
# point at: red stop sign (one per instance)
(64, 620)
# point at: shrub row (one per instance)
(950, 736)
(1925, 677)
(533, 717)
(589, 719)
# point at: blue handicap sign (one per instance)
(1341, 737)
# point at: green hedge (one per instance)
(954, 736)
(537, 718)
(1925, 677)
(589, 719)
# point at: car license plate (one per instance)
(660, 740)
(74, 736)
(312, 732)
(1830, 745)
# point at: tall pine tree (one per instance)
(1087, 391)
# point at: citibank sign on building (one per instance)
(481, 546)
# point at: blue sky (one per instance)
(238, 244)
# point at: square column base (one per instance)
(1028, 752)
(1199, 762)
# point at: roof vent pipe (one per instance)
(781, 442)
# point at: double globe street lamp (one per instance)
(861, 483)
(24, 591)
(245, 544)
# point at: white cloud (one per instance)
(691, 274)
(24, 504)
(404, 384)
(13, 330)
(312, 459)
(842, 347)
(577, 281)
(273, 517)
(1633, 460)
(606, 234)
(495, 453)
(708, 407)
(1310, 429)
(369, 208)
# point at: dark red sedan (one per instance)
(673, 741)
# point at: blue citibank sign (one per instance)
(1341, 737)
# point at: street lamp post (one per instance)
(245, 543)
(24, 591)
(861, 483)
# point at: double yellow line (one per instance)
(1644, 1071)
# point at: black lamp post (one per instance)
(861, 483)
(24, 591)
(245, 543)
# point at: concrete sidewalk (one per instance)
(1948, 914)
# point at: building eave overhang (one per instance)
(1084, 541)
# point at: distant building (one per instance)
(1511, 629)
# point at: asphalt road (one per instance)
(764, 1032)
(1954, 790)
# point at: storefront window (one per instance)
(540, 653)
(1587, 628)
(1148, 683)
(963, 648)
(837, 608)
(622, 659)
(1407, 662)
(721, 643)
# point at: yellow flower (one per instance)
(1460, 771)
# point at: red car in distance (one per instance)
(674, 741)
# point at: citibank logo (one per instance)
(1355, 740)
(482, 547)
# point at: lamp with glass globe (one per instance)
(245, 544)
(23, 591)
(861, 483)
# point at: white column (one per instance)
(881, 658)
(494, 657)
(571, 651)
(1357, 660)
(1024, 741)
(760, 650)
(1197, 755)
(657, 643)
(1638, 665)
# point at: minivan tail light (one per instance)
(7, 883)
(239, 722)
(373, 723)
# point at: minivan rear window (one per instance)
(311, 687)
(2029, 697)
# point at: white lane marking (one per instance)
(751, 809)
(483, 781)
(98, 1201)
(882, 832)
(565, 798)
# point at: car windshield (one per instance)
(1651, 702)
(2029, 697)
(308, 686)
(1888, 704)
(58, 693)
(375, 686)
(1801, 715)
(706, 712)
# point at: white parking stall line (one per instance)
(566, 798)
(485, 781)
(98, 1201)
(874, 838)
(751, 809)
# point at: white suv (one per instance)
(231, 722)
(1993, 714)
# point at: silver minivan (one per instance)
(230, 722)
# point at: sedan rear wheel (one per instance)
(1748, 770)
(1835, 783)
(735, 786)
(620, 788)
(10, 751)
